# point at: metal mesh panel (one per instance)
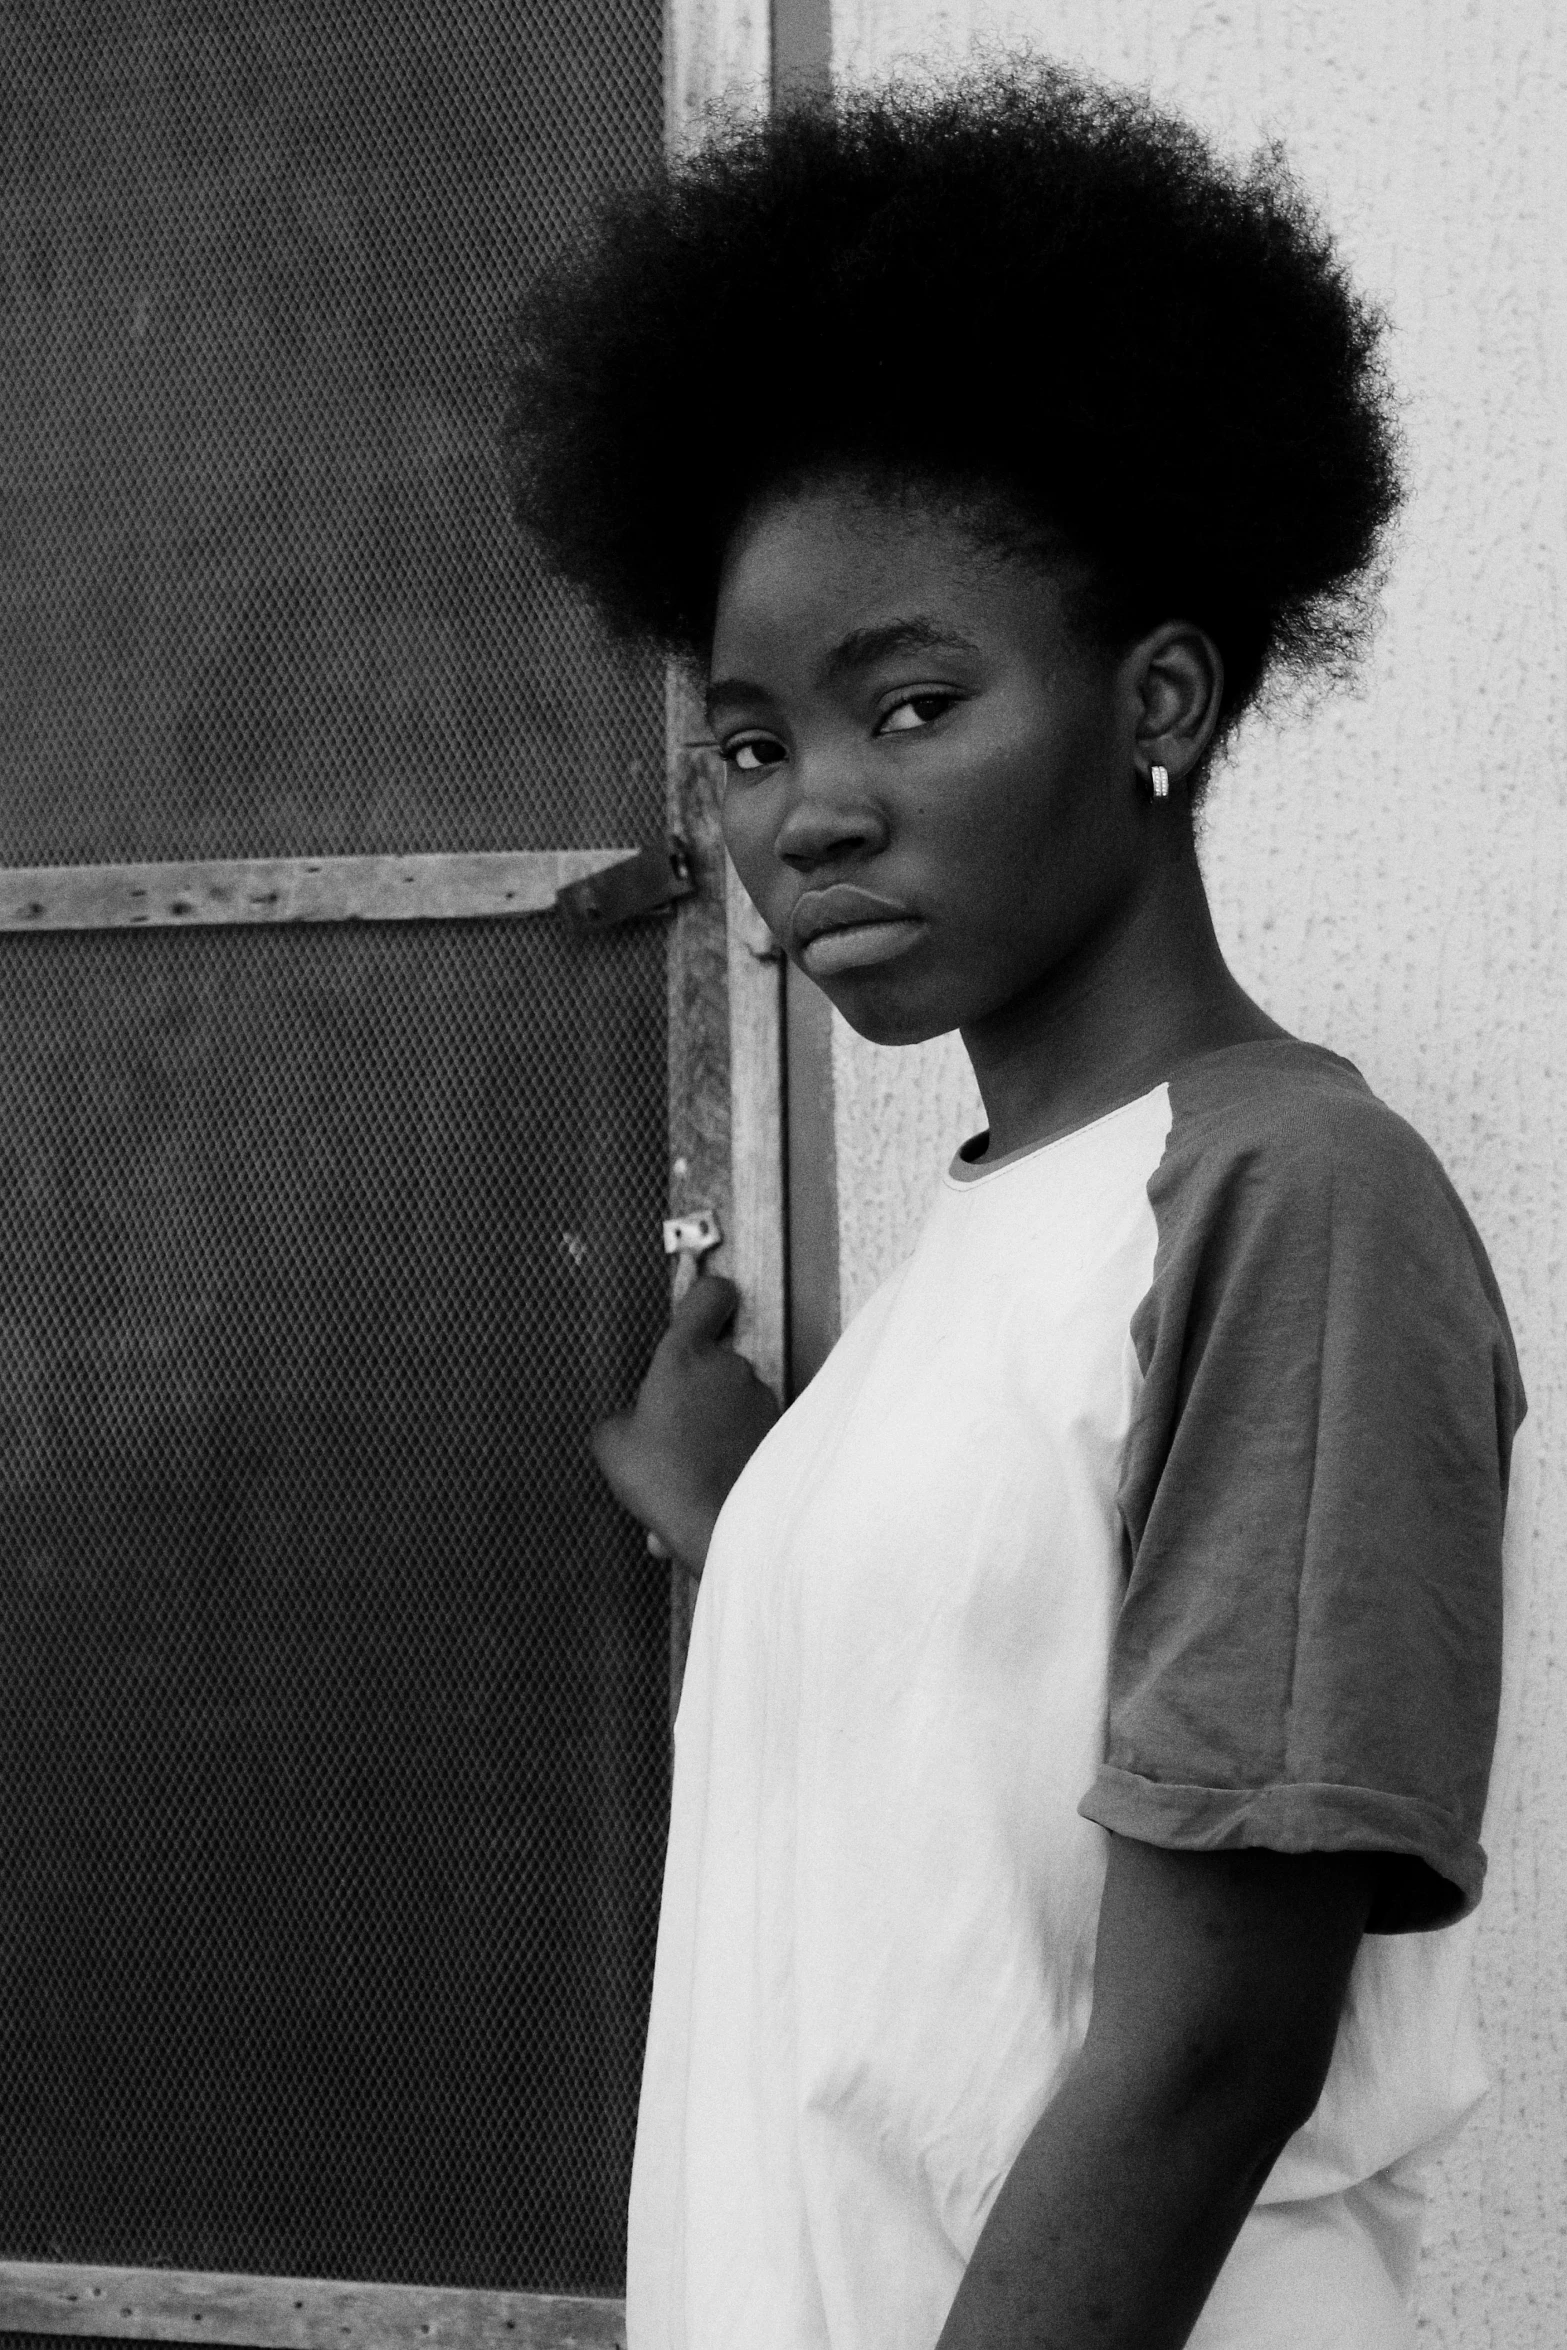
(333, 1695)
(258, 589)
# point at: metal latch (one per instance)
(689, 1238)
(691, 1235)
(648, 883)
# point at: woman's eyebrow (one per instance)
(862, 648)
(728, 690)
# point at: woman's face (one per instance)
(930, 794)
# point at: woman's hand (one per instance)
(700, 1414)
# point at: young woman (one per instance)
(1094, 1677)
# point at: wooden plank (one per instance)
(757, 1251)
(812, 1173)
(802, 67)
(469, 886)
(726, 988)
(700, 1132)
(699, 1122)
(292, 2313)
(719, 53)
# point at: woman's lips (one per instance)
(842, 928)
(857, 944)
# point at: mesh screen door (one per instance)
(333, 1694)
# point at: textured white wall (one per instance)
(1390, 873)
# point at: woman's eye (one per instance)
(755, 752)
(914, 711)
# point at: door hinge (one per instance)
(648, 883)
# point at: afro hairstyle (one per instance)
(1039, 298)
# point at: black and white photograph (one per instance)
(783, 1096)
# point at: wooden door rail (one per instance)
(462, 886)
(293, 2313)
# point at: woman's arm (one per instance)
(700, 1414)
(1218, 1981)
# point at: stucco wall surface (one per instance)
(1390, 870)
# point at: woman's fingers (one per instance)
(699, 1415)
(705, 1313)
(613, 1440)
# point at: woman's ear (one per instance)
(1176, 677)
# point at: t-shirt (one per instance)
(1160, 1491)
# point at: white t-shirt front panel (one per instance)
(876, 1949)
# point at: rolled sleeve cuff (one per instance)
(1306, 1816)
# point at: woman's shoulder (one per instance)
(1281, 1115)
(1297, 1210)
(1280, 1149)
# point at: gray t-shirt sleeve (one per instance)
(1308, 1652)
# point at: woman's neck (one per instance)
(1151, 991)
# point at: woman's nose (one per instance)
(827, 821)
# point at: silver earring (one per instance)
(1159, 777)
